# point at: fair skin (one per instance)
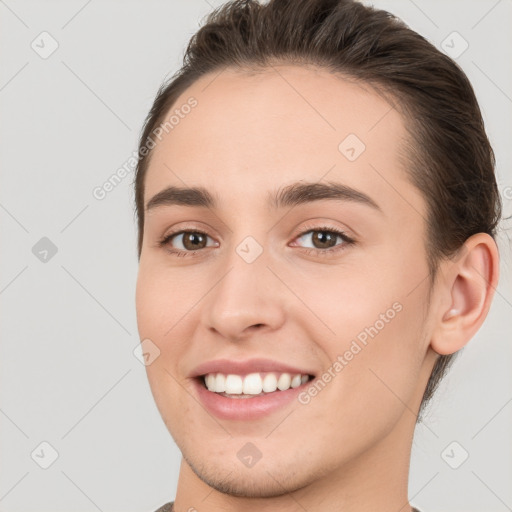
(349, 448)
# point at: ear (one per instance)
(468, 286)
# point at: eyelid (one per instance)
(191, 227)
(330, 251)
(323, 225)
(165, 240)
(183, 231)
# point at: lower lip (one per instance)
(246, 408)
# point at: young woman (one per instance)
(317, 209)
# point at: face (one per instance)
(330, 282)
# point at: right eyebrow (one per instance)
(195, 196)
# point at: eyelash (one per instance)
(347, 241)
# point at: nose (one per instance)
(246, 298)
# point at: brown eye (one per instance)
(322, 239)
(186, 241)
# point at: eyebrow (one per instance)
(291, 195)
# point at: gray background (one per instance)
(68, 373)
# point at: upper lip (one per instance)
(227, 366)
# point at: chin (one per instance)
(225, 473)
(250, 483)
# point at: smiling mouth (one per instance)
(252, 385)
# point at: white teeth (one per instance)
(234, 385)
(269, 383)
(210, 381)
(295, 381)
(284, 381)
(220, 383)
(253, 383)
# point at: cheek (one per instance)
(162, 298)
(158, 310)
(381, 378)
(375, 342)
(165, 315)
(369, 386)
(145, 301)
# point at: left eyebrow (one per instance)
(300, 193)
(290, 195)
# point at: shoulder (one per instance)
(168, 507)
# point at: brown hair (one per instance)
(449, 157)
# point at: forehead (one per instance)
(248, 133)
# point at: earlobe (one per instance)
(469, 285)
